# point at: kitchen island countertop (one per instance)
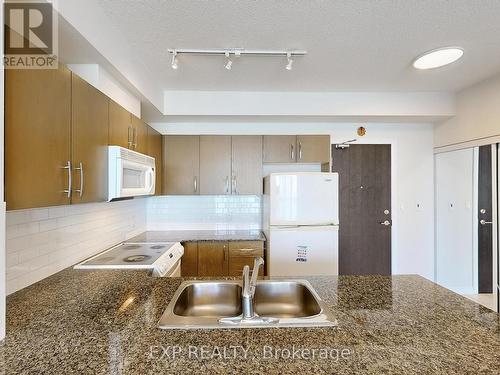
(105, 322)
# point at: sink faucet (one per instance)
(249, 288)
(248, 316)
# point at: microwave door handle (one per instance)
(151, 179)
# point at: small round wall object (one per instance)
(361, 131)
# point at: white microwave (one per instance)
(130, 173)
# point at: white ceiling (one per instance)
(353, 45)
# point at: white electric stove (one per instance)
(163, 259)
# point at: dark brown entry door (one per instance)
(364, 208)
(485, 226)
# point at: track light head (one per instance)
(229, 62)
(174, 60)
(289, 65)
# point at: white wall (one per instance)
(94, 25)
(43, 241)
(104, 82)
(247, 103)
(477, 117)
(412, 184)
(214, 212)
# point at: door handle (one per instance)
(484, 222)
(134, 138)
(292, 153)
(68, 167)
(80, 168)
(235, 185)
(386, 223)
(195, 184)
(227, 184)
(300, 150)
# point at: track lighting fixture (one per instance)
(174, 60)
(289, 61)
(229, 62)
(238, 52)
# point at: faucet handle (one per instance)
(257, 262)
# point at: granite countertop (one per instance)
(199, 235)
(105, 322)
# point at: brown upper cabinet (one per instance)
(300, 149)
(139, 135)
(181, 164)
(246, 164)
(120, 126)
(37, 132)
(212, 165)
(215, 164)
(89, 141)
(280, 148)
(57, 129)
(233, 164)
(154, 149)
(127, 130)
(313, 149)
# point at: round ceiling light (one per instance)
(438, 58)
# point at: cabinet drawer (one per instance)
(246, 248)
(236, 265)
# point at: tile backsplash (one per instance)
(204, 212)
(43, 241)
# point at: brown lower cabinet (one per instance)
(189, 262)
(242, 253)
(219, 258)
(212, 258)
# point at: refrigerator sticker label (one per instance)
(301, 254)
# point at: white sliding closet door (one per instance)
(455, 227)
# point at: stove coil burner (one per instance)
(132, 247)
(157, 247)
(136, 258)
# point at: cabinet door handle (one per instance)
(68, 167)
(300, 151)
(484, 222)
(225, 253)
(80, 168)
(292, 153)
(227, 184)
(135, 137)
(129, 138)
(195, 182)
(235, 185)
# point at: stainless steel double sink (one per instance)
(202, 304)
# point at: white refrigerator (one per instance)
(301, 223)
